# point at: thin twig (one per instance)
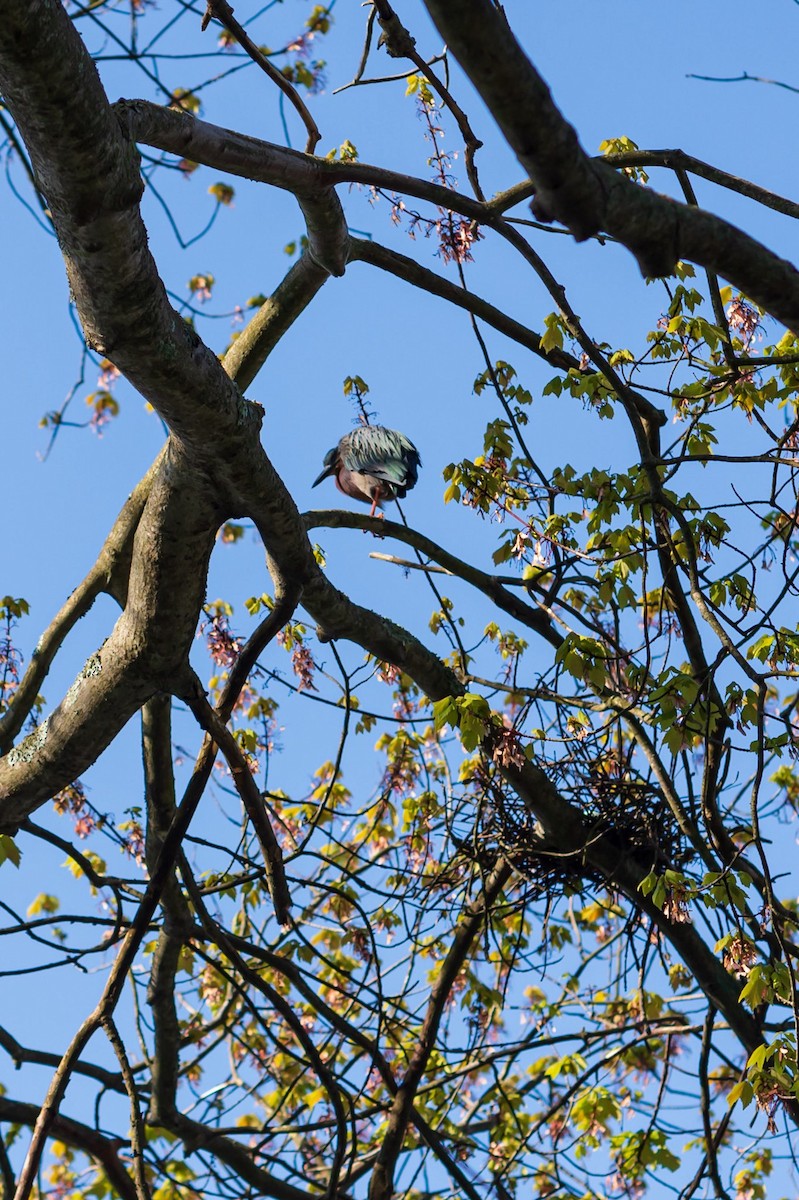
(251, 798)
(370, 24)
(437, 58)
(407, 565)
(399, 44)
(116, 980)
(744, 77)
(224, 14)
(19, 149)
(217, 935)
(137, 1136)
(712, 1140)
(7, 1179)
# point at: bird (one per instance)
(373, 464)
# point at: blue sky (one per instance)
(615, 69)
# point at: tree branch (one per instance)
(236, 153)
(48, 1113)
(143, 654)
(252, 800)
(89, 172)
(588, 196)
(678, 160)
(109, 574)
(276, 315)
(531, 617)
(20, 1054)
(399, 265)
(104, 1151)
(224, 14)
(399, 44)
(137, 1135)
(470, 922)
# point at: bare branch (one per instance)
(467, 928)
(109, 573)
(20, 1054)
(48, 1113)
(224, 14)
(532, 618)
(104, 1150)
(399, 44)
(137, 1136)
(678, 160)
(181, 134)
(252, 800)
(294, 293)
(144, 653)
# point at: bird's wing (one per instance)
(383, 453)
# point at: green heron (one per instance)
(372, 464)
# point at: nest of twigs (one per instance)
(628, 813)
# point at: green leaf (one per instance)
(445, 712)
(9, 850)
(742, 1091)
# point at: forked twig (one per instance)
(224, 14)
(399, 44)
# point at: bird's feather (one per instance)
(384, 453)
(373, 464)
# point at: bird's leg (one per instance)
(376, 498)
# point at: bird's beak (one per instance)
(324, 475)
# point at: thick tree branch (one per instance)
(310, 179)
(89, 178)
(489, 585)
(467, 928)
(144, 653)
(338, 617)
(276, 315)
(580, 190)
(184, 135)
(588, 196)
(89, 172)
(159, 793)
(109, 574)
